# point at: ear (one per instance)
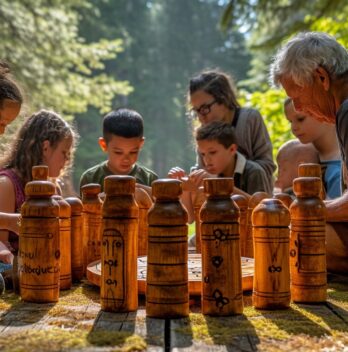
(322, 77)
(233, 148)
(142, 142)
(103, 144)
(45, 148)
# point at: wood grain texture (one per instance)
(64, 242)
(255, 199)
(39, 253)
(167, 293)
(199, 199)
(92, 219)
(312, 170)
(271, 289)
(144, 202)
(242, 203)
(76, 238)
(118, 291)
(307, 242)
(221, 260)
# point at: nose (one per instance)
(294, 127)
(202, 118)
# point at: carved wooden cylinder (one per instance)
(271, 233)
(307, 242)
(285, 198)
(197, 204)
(312, 170)
(64, 242)
(119, 285)
(92, 222)
(39, 254)
(242, 203)
(76, 238)
(167, 293)
(144, 202)
(255, 199)
(221, 261)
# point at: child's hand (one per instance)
(197, 177)
(5, 255)
(176, 173)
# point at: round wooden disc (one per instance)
(195, 273)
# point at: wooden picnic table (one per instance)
(76, 323)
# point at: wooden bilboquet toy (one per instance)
(39, 253)
(197, 204)
(271, 289)
(285, 198)
(65, 242)
(242, 203)
(255, 199)
(167, 292)
(312, 170)
(144, 202)
(221, 260)
(92, 222)
(76, 238)
(307, 242)
(119, 286)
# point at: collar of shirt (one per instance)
(240, 164)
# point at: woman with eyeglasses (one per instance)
(212, 97)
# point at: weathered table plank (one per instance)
(76, 323)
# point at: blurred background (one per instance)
(83, 58)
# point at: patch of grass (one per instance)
(191, 229)
(59, 340)
(8, 300)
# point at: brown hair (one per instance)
(219, 131)
(218, 84)
(9, 89)
(27, 148)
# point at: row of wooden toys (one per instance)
(167, 274)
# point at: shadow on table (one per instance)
(14, 312)
(300, 319)
(234, 332)
(338, 320)
(112, 329)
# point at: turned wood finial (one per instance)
(40, 172)
(309, 170)
(124, 185)
(91, 189)
(218, 187)
(166, 189)
(285, 198)
(271, 212)
(75, 204)
(307, 186)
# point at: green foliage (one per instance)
(166, 42)
(55, 66)
(270, 104)
(335, 25)
(269, 23)
(273, 21)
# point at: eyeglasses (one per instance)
(203, 110)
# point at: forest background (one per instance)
(84, 57)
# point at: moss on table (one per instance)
(71, 324)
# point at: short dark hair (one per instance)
(219, 131)
(123, 122)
